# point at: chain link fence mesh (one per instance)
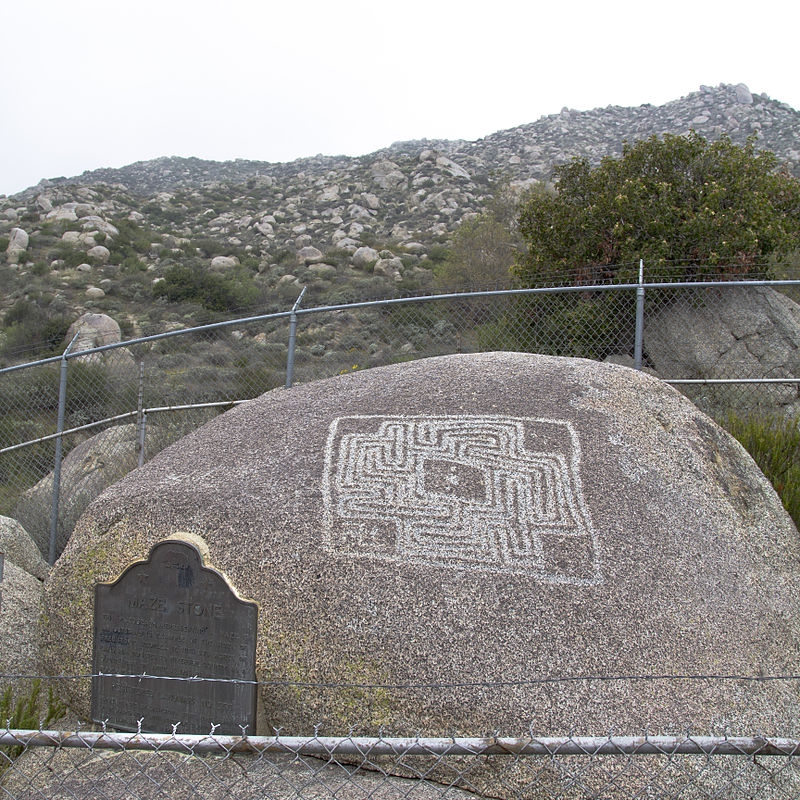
(37, 764)
(149, 391)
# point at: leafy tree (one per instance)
(482, 251)
(671, 200)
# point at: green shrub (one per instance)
(184, 284)
(774, 443)
(27, 714)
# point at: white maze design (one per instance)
(483, 493)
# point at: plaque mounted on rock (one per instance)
(172, 616)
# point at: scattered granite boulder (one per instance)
(309, 255)
(92, 222)
(98, 330)
(99, 253)
(729, 332)
(743, 95)
(17, 244)
(88, 469)
(20, 549)
(62, 213)
(499, 521)
(364, 257)
(389, 267)
(94, 330)
(224, 262)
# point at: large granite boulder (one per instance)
(733, 332)
(20, 614)
(496, 521)
(98, 330)
(93, 330)
(88, 469)
(20, 549)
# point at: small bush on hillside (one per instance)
(183, 284)
(32, 329)
(774, 444)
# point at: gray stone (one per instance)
(224, 262)
(19, 625)
(20, 549)
(387, 175)
(451, 167)
(726, 333)
(63, 213)
(330, 194)
(743, 96)
(94, 292)
(389, 268)
(372, 201)
(364, 257)
(348, 245)
(85, 472)
(100, 253)
(92, 222)
(94, 330)
(17, 244)
(474, 518)
(309, 255)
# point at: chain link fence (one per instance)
(729, 346)
(105, 764)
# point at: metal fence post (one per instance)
(140, 414)
(637, 346)
(292, 340)
(142, 429)
(62, 403)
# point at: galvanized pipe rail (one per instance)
(327, 746)
(603, 287)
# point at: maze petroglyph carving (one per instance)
(473, 492)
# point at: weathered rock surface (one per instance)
(20, 549)
(729, 332)
(19, 624)
(500, 517)
(17, 244)
(85, 472)
(80, 776)
(94, 330)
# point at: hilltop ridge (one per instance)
(140, 242)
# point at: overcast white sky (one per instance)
(103, 83)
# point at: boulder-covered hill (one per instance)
(347, 227)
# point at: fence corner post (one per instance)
(292, 340)
(637, 346)
(62, 403)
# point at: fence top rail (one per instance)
(399, 301)
(401, 746)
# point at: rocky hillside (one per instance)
(170, 241)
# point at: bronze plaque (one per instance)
(171, 616)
